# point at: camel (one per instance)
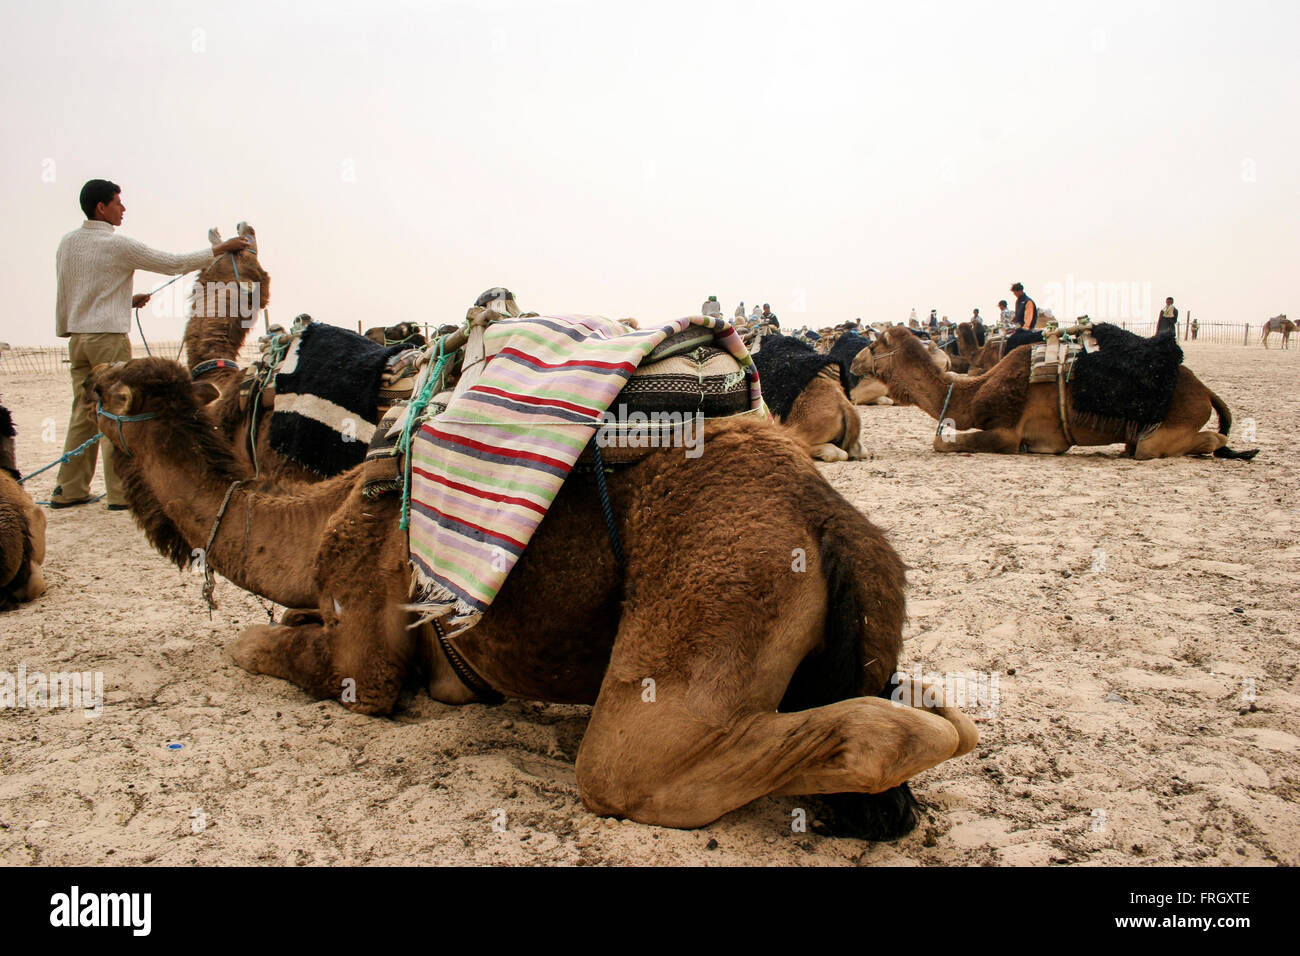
(22, 528)
(1279, 323)
(708, 690)
(820, 415)
(1000, 411)
(403, 333)
(221, 313)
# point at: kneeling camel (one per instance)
(769, 678)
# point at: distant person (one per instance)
(755, 317)
(1005, 315)
(1196, 327)
(769, 317)
(975, 318)
(95, 270)
(711, 307)
(1168, 322)
(911, 319)
(1026, 311)
(740, 312)
(934, 320)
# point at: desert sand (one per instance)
(1148, 703)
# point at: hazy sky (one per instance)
(835, 160)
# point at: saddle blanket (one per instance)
(1045, 368)
(485, 471)
(325, 401)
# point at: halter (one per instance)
(99, 410)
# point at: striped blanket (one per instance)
(485, 471)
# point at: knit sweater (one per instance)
(95, 270)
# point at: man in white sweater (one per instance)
(92, 310)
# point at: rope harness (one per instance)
(99, 410)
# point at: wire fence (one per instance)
(53, 360)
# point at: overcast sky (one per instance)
(835, 160)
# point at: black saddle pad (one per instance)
(1129, 379)
(785, 367)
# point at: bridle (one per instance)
(120, 419)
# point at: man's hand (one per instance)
(238, 244)
(139, 300)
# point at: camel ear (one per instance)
(205, 392)
(214, 235)
(117, 399)
(264, 289)
(244, 229)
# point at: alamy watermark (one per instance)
(1100, 301)
(973, 689)
(65, 689)
(620, 428)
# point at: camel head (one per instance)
(251, 276)
(500, 300)
(154, 387)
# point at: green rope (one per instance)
(413, 413)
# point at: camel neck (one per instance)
(177, 494)
(215, 328)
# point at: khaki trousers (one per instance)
(85, 351)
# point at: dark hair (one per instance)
(95, 192)
(1002, 303)
(1017, 288)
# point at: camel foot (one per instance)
(829, 452)
(877, 817)
(254, 648)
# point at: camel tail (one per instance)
(1225, 423)
(1224, 413)
(861, 641)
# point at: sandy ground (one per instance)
(1124, 733)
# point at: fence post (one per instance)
(1187, 327)
(1246, 340)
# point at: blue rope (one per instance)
(605, 505)
(65, 456)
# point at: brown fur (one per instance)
(825, 420)
(22, 536)
(1009, 415)
(720, 648)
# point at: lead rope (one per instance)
(210, 579)
(141, 327)
(939, 431)
(605, 506)
(413, 412)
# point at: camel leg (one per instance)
(1174, 443)
(1005, 441)
(358, 656)
(828, 451)
(698, 693)
(689, 768)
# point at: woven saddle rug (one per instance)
(485, 471)
(1127, 384)
(326, 403)
(1046, 368)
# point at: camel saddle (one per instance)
(684, 375)
(1051, 359)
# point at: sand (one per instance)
(1124, 732)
